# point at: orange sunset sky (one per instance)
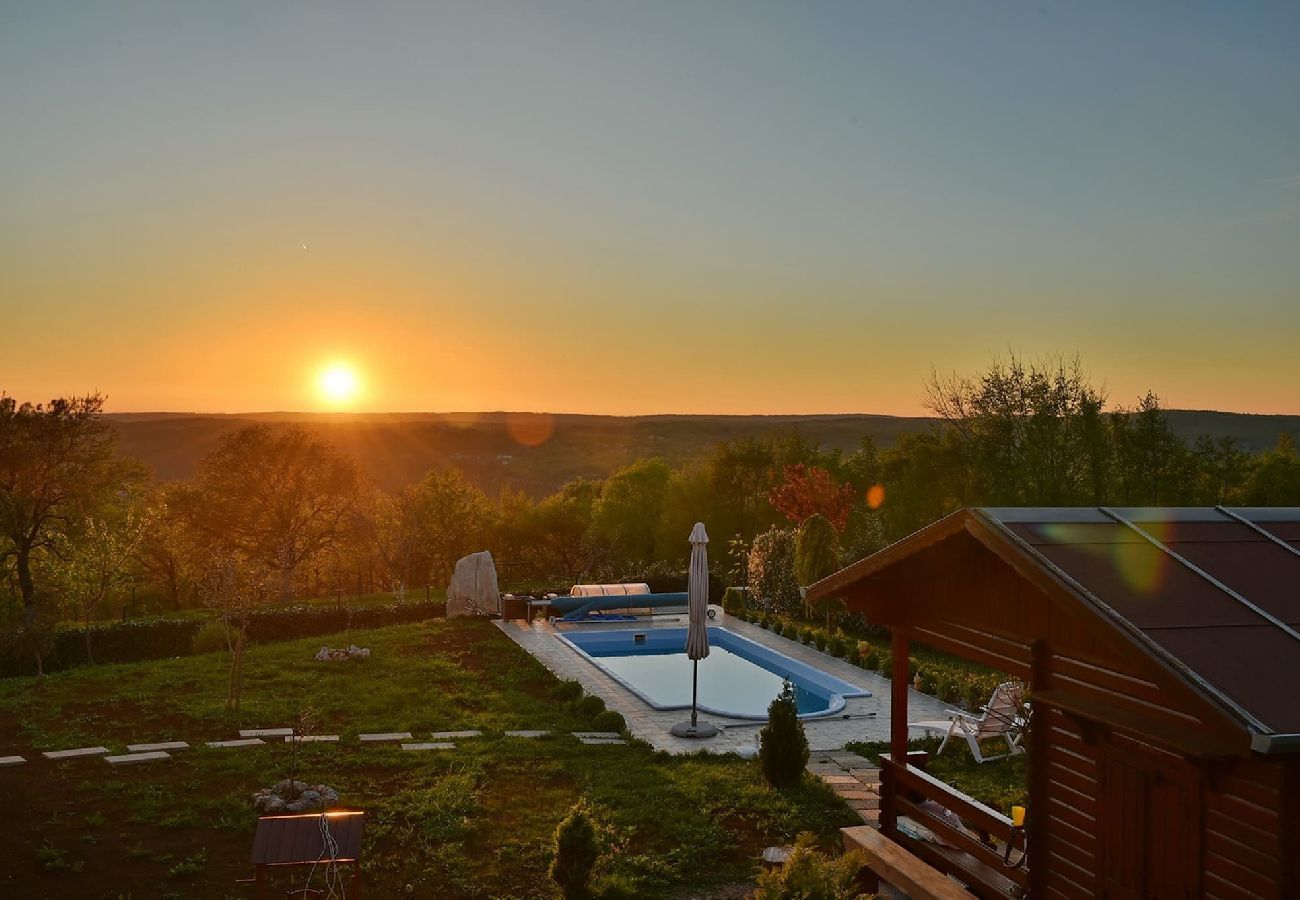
(610, 208)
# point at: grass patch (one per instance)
(474, 823)
(1000, 783)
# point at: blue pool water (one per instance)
(738, 678)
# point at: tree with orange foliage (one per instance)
(810, 490)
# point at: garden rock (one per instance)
(343, 654)
(473, 589)
(294, 797)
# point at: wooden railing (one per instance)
(977, 862)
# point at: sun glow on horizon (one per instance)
(338, 384)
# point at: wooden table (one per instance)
(297, 841)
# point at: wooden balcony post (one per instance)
(898, 700)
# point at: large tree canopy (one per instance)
(58, 463)
(277, 497)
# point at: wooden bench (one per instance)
(910, 874)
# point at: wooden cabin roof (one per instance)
(1213, 592)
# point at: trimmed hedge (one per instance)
(143, 639)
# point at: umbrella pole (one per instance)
(695, 690)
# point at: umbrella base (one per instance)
(687, 730)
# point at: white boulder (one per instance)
(473, 590)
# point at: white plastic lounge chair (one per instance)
(1003, 716)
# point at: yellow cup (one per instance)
(1018, 816)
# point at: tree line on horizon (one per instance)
(283, 513)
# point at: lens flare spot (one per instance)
(876, 496)
(530, 429)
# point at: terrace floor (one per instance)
(869, 716)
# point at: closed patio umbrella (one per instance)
(697, 633)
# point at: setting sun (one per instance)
(338, 383)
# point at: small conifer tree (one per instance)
(783, 749)
(576, 851)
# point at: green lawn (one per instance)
(999, 783)
(476, 822)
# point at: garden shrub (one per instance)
(778, 627)
(772, 582)
(811, 875)
(783, 746)
(567, 691)
(733, 602)
(589, 707)
(608, 720)
(210, 637)
(576, 852)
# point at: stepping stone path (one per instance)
(74, 754)
(528, 734)
(602, 740)
(854, 779)
(595, 735)
(436, 745)
(444, 735)
(264, 732)
(311, 738)
(245, 742)
(129, 758)
(165, 745)
(7, 761)
(386, 736)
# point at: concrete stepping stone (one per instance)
(245, 742)
(528, 734)
(594, 734)
(165, 745)
(841, 779)
(311, 738)
(264, 732)
(7, 761)
(603, 740)
(386, 736)
(129, 758)
(444, 735)
(75, 754)
(433, 745)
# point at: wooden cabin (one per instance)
(1161, 650)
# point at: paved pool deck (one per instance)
(868, 716)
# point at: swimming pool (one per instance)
(738, 678)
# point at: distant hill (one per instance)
(539, 452)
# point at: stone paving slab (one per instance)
(264, 732)
(311, 738)
(386, 736)
(164, 745)
(848, 780)
(130, 758)
(75, 754)
(865, 774)
(603, 741)
(243, 742)
(528, 734)
(445, 735)
(855, 795)
(434, 745)
(595, 734)
(7, 761)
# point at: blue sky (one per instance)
(814, 202)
